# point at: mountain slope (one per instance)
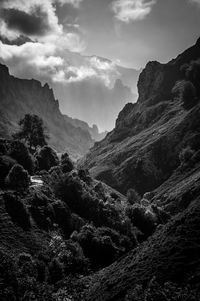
(19, 97)
(143, 149)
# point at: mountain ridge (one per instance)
(129, 155)
(22, 96)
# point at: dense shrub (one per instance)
(66, 163)
(6, 163)
(3, 147)
(162, 292)
(63, 217)
(144, 219)
(185, 155)
(192, 73)
(46, 158)
(73, 259)
(17, 211)
(8, 278)
(17, 178)
(132, 196)
(19, 152)
(84, 175)
(55, 271)
(185, 91)
(101, 245)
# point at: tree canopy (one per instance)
(32, 131)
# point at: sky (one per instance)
(52, 40)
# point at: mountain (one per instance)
(67, 236)
(94, 131)
(143, 149)
(155, 148)
(20, 96)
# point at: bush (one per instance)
(66, 163)
(19, 152)
(17, 211)
(185, 155)
(55, 271)
(46, 158)
(132, 196)
(17, 178)
(6, 163)
(63, 217)
(142, 218)
(185, 90)
(101, 245)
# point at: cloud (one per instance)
(75, 3)
(195, 2)
(39, 59)
(33, 18)
(132, 10)
(35, 44)
(102, 64)
(27, 24)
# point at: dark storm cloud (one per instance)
(35, 23)
(18, 41)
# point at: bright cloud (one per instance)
(43, 54)
(132, 10)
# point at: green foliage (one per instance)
(17, 211)
(46, 158)
(17, 178)
(32, 131)
(19, 152)
(6, 163)
(132, 196)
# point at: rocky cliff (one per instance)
(20, 96)
(143, 149)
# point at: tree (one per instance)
(185, 91)
(132, 196)
(18, 178)
(46, 158)
(32, 131)
(19, 151)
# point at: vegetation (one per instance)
(32, 131)
(46, 158)
(185, 90)
(19, 151)
(17, 178)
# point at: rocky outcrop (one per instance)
(93, 130)
(20, 96)
(143, 149)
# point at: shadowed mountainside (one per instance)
(143, 149)
(20, 96)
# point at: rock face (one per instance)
(94, 131)
(143, 149)
(20, 96)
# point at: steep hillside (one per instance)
(171, 254)
(143, 149)
(19, 97)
